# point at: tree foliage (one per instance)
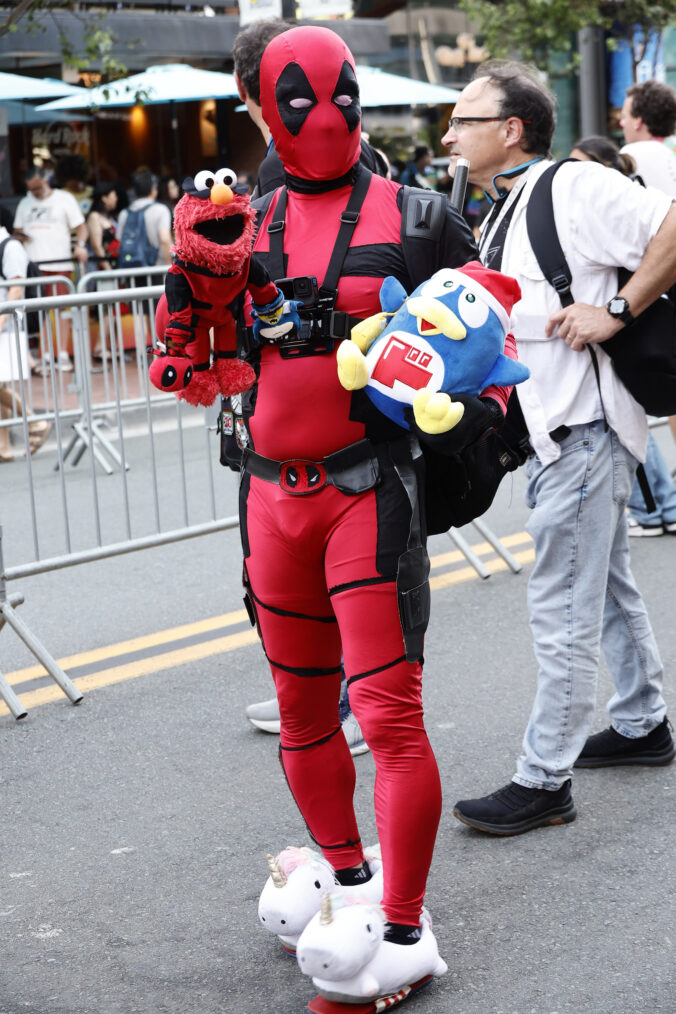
(98, 40)
(538, 30)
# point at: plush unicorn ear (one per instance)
(392, 294)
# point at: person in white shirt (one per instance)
(43, 222)
(587, 438)
(14, 356)
(648, 118)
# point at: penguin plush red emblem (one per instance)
(212, 267)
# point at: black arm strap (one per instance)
(546, 245)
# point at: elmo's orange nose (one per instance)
(221, 193)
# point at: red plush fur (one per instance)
(196, 249)
(215, 263)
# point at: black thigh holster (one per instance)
(413, 568)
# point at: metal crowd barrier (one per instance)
(60, 516)
(91, 410)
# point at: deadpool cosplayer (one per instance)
(332, 524)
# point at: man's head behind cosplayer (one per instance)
(310, 101)
(247, 53)
(504, 118)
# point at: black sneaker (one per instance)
(609, 748)
(514, 809)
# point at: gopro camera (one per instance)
(303, 288)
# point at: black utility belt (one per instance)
(354, 469)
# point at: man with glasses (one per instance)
(587, 435)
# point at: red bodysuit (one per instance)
(322, 567)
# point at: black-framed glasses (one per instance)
(458, 122)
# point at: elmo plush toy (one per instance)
(212, 266)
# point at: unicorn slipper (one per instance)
(344, 950)
(299, 879)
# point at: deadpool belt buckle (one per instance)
(302, 477)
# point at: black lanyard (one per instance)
(493, 256)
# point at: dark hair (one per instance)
(100, 191)
(34, 171)
(248, 49)
(605, 152)
(143, 183)
(71, 167)
(655, 103)
(421, 150)
(525, 96)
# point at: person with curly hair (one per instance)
(648, 117)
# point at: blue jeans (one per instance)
(582, 597)
(662, 487)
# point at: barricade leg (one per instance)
(11, 617)
(11, 700)
(492, 539)
(465, 548)
(498, 546)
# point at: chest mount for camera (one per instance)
(321, 324)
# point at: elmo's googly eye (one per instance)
(204, 180)
(226, 176)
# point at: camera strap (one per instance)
(348, 222)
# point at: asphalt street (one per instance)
(135, 826)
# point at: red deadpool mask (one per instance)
(310, 102)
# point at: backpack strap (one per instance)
(544, 238)
(423, 214)
(546, 245)
(277, 267)
(2, 253)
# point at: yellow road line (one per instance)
(220, 645)
(481, 549)
(467, 573)
(135, 644)
(142, 667)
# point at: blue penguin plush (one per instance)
(446, 338)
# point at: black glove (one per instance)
(481, 415)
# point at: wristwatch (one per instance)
(618, 307)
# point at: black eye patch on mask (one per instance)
(347, 85)
(293, 84)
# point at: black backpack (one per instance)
(643, 353)
(32, 271)
(136, 250)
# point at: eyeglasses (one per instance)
(456, 123)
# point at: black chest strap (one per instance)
(348, 223)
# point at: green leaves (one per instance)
(536, 30)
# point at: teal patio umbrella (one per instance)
(18, 86)
(170, 82)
